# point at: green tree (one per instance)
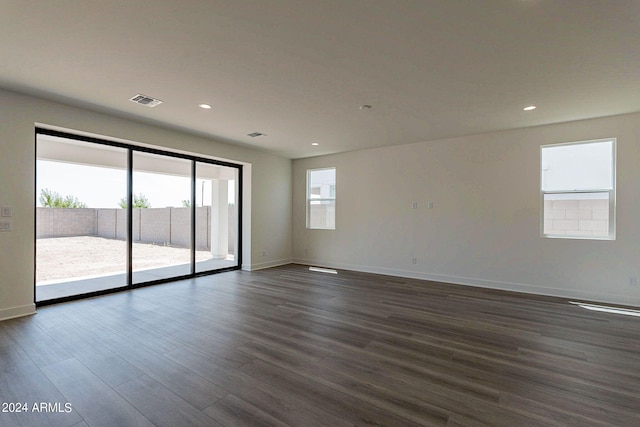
(53, 199)
(186, 203)
(139, 201)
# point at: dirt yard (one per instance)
(70, 257)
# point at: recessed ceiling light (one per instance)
(315, 143)
(205, 106)
(366, 107)
(529, 108)
(256, 134)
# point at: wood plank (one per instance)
(285, 405)
(191, 387)
(347, 399)
(233, 411)
(95, 401)
(22, 382)
(286, 346)
(161, 406)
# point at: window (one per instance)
(578, 189)
(128, 215)
(321, 198)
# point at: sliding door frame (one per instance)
(131, 149)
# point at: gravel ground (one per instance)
(71, 257)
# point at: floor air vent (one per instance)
(145, 100)
(323, 270)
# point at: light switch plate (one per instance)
(7, 212)
(5, 225)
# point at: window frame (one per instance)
(611, 234)
(131, 148)
(332, 198)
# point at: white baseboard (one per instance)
(13, 312)
(480, 283)
(267, 264)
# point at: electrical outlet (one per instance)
(414, 260)
(414, 205)
(7, 212)
(5, 225)
(430, 204)
(633, 281)
(264, 253)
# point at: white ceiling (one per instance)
(297, 70)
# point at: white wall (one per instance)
(267, 203)
(484, 227)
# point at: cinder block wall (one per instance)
(576, 217)
(180, 227)
(155, 225)
(107, 223)
(203, 230)
(160, 226)
(53, 222)
(121, 224)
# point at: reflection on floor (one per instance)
(93, 284)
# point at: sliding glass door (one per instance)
(81, 233)
(114, 216)
(161, 217)
(216, 216)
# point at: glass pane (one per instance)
(577, 214)
(161, 217)
(322, 214)
(216, 217)
(321, 193)
(80, 231)
(583, 166)
(322, 183)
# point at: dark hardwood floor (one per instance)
(287, 346)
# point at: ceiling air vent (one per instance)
(145, 100)
(256, 134)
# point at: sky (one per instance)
(100, 187)
(584, 166)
